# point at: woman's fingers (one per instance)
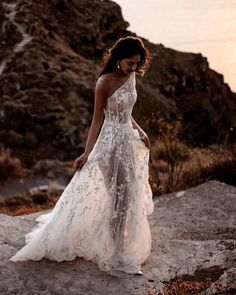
(76, 164)
(147, 142)
(80, 164)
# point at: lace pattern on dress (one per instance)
(102, 213)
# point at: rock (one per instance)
(193, 237)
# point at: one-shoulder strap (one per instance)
(134, 78)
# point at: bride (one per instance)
(102, 213)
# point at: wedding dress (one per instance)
(102, 213)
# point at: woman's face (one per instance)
(129, 64)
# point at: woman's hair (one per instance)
(125, 48)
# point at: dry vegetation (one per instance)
(37, 200)
(203, 281)
(182, 287)
(176, 166)
(10, 166)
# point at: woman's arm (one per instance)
(97, 120)
(98, 115)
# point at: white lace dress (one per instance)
(102, 213)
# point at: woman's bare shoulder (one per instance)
(104, 81)
(105, 78)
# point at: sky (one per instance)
(206, 26)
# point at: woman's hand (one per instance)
(143, 136)
(145, 139)
(80, 161)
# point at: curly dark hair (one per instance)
(124, 48)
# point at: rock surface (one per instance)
(193, 234)
(49, 63)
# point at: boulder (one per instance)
(193, 239)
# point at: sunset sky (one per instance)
(206, 26)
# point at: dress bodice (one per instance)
(120, 104)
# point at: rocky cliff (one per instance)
(49, 62)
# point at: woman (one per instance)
(102, 213)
